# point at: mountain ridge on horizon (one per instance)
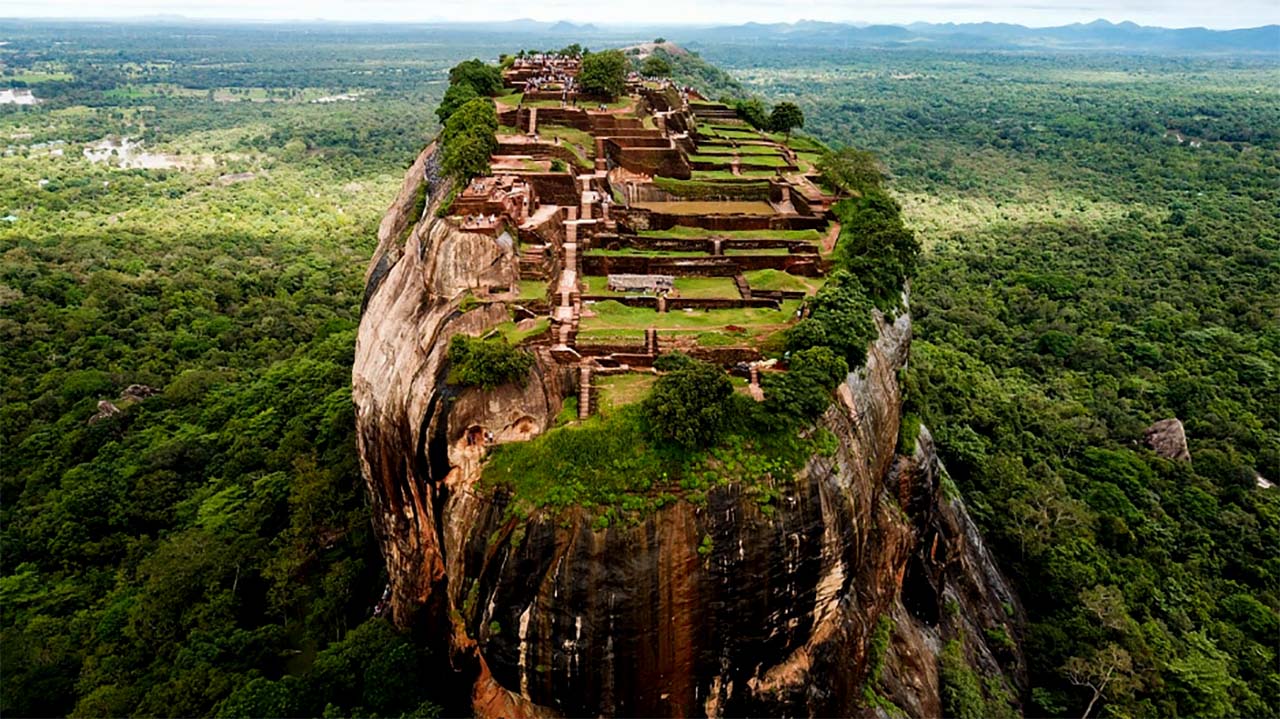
(1099, 34)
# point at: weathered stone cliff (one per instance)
(545, 615)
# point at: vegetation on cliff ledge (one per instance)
(486, 363)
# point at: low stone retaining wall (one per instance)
(726, 223)
(604, 349)
(719, 303)
(665, 161)
(780, 295)
(682, 303)
(725, 356)
(807, 265)
(629, 141)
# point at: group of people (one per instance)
(479, 220)
(563, 79)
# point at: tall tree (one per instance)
(604, 73)
(786, 116)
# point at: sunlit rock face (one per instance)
(546, 615)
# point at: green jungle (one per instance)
(187, 216)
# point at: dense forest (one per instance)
(1102, 250)
(1101, 239)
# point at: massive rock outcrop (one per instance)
(721, 608)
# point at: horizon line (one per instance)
(167, 17)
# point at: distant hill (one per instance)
(1097, 35)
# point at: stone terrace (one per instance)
(655, 222)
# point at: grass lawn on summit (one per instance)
(619, 390)
(779, 280)
(610, 315)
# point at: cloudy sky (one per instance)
(1166, 13)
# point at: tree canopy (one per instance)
(603, 74)
(851, 169)
(786, 116)
(485, 79)
(469, 139)
(690, 405)
(655, 66)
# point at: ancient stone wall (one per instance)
(667, 162)
(712, 266)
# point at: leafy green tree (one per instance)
(753, 111)
(486, 80)
(467, 157)
(786, 116)
(802, 392)
(851, 169)
(690, 406)
(455, 97)
(839, 318)
(469, 139)
(476, 118)
(655, 66)
(672, 361)
(603, 74)
(875, 246)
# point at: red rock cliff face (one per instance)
(547, 616)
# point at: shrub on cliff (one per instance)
(604, 73)
(804, 391)
(455, 97)
(469, 140)
(484, 79)
(839, 318)
(875, 246)
(486, 364)
(690, 406)
(851, 169)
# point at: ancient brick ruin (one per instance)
(656, 222)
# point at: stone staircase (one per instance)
(586, 393)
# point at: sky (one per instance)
(1037, 13)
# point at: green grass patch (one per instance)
(696, 189)
(619, 390)
(770, 160)
(699, 157)
(572, 135)
(779, 280)
(798, 142)
(35, 77)
(738, 134)
(722, 339)
(684, 232)
(514, 335)
(706, 287)
(611, 462)
(532, 289)
(757, 150)
(610, 315)
(600, 462)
